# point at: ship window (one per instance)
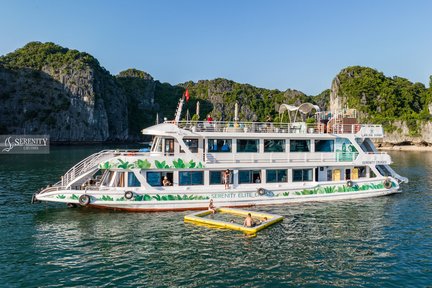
(119, 181)
(276, 145)
(247, 145)
(249, 176)
(192, 144)
(324, 146)
(216, 177)
(361, 170)
(275, 176)
(191, 178)
(169, 146)
(299, 145)
(108, 178)
(157, 145)
(133, 180)
(300, 175)
(219, 145)
(154, 178)
(345, 151)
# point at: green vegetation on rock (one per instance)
(382, 99)
(46, 88)
(36, 55)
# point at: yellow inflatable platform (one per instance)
(199, 218)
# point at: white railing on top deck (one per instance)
(275, 127)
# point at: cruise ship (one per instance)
(235, 164)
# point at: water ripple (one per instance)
(368, 243)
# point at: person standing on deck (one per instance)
(226, 178)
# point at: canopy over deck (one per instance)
(304, 108)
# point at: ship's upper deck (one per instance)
(244, 128)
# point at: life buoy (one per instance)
(129, 195)
(84, 200)
(388, 183)
(349, 183)
(261, 191)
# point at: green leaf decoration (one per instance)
(157, 197)
(191, 164)
(171, 197)
(61, 196)
(120, 199)
(164, 198)
(106, 198)
(179, 163)
(200, 165)
(161, 165)
(185, 197)
(74, 197)
(147, 197)
(124, 165)
(105, 166)
(138, 197)
(142, 164)
(179, 197)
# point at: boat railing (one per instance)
(53, 188)
(93, 160)
(278, 127)
(316, 157)
(85, 165)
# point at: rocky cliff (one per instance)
(219, 97)
(401, 106)
(48, 89)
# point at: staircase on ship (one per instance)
(85, 167)
(345, 121)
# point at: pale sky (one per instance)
(270, 44)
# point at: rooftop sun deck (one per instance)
(365, 130)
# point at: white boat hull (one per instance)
(177, 200)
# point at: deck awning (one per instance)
(304, 108)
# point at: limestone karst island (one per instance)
(49, 89)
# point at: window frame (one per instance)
(190, 182)
(277, 176)
(332, 146)
(283, 145)
(303, 175)
(252, 176)
(227, 142)
(300, 151)
(257, 141)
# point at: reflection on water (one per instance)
(371, 242)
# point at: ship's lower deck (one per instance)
(185, 199)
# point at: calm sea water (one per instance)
(378, 242)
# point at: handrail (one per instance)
(85, 165)
(270, 127)
(91, 161)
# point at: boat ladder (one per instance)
(85, 165)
